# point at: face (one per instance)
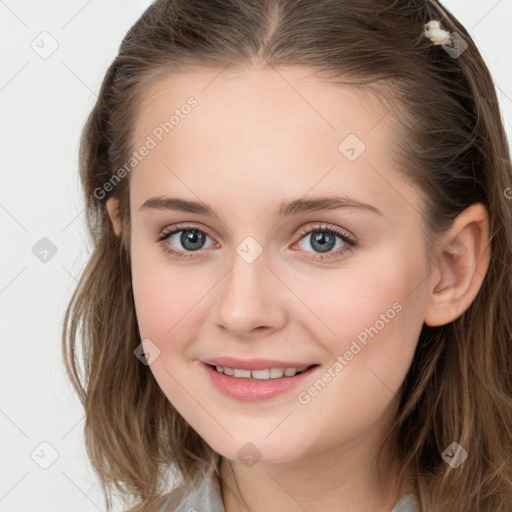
(340, 285)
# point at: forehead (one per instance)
(294, 95)
(260, 129)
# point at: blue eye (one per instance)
(323, 239)
(191, 239)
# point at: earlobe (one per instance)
(112, 205)
(461, 266)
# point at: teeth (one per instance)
(270, 373)
(275, 373)
(242, 373)
(261, 374)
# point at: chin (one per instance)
(257, 450)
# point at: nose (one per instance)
(250, 299)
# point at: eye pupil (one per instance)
(194, 237)
(326, 240)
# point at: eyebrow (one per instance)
(296, 207)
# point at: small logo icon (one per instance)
(249, 454)
(352, 147)
(454, 45)
(147, 352)
(45, 45)
(454, 455)
(44, 250)
(44, 455)
(249, 249)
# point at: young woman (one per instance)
(299, 292)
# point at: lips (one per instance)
(255, 364)
(252, 389)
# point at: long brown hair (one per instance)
(452, 146)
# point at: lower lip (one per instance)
(254, 390)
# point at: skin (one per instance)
(258, 138)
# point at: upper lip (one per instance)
(254, 364)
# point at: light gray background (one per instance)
(44, 103)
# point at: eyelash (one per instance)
(350, 243)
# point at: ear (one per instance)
(461, 266)
(112, 205)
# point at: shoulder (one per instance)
(201, 495)
(407, 503)
(170, 501)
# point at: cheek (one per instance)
(376, 316)
(163, 299)
(370, 313)
(167, 303)
(169, 298)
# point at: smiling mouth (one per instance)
(261, 375)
